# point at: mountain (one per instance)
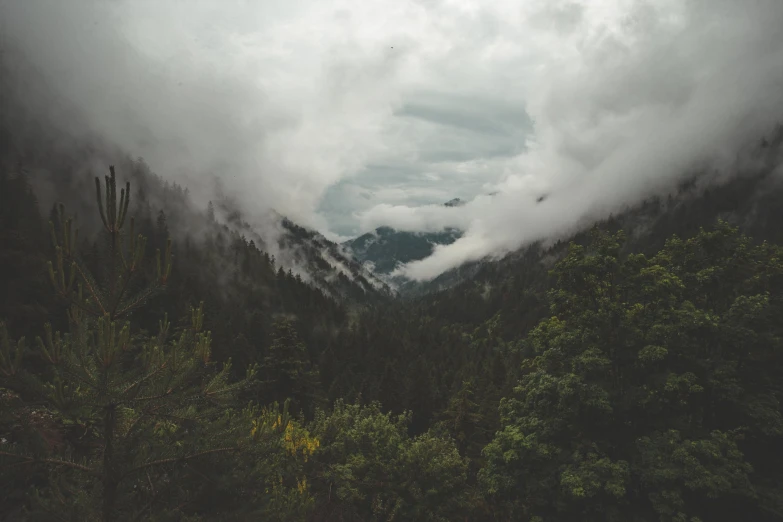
(326, 265)
(385, 249)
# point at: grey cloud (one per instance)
(471, 115)
(642, 101)
(467, 127)
(304, 106)
(281, 101)
(563, 17)
(457, 149)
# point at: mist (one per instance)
(629, 109)
(346, 115)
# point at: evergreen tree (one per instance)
(24, 296)
(464, 420)
(287, 370)
(161, 229)
(134, 409)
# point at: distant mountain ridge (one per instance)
(385, 249)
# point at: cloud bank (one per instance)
(345, 114)
(636, 97)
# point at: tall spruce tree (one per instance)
(287, 370)
(24, 295)
(131, 412)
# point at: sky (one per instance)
(345, 115)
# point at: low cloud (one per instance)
(346, 115)
(638, 97)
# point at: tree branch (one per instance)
(179, 459)
(142, 380)
(149, 397)
(56, 462)
(139, 300)
(91, 289)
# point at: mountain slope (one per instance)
(326, 265)
(385, 248)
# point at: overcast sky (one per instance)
(350, 114)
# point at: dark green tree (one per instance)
(464, 420)
(368, 468)
(287, 371)
(652, 392)
(25, 299)
(134, 410)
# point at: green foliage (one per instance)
(24, 291)
(131, 408)
(368, 468)
(267, 480)
(287, 370)
(651, 389)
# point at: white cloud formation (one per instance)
(283, 100)
(637, 97)
(349, 114)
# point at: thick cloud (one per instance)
(633, 98)
(346, 114)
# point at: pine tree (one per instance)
(134, 411)
(463, 419)
(287, 370)
(161, 228)
(24, 296)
